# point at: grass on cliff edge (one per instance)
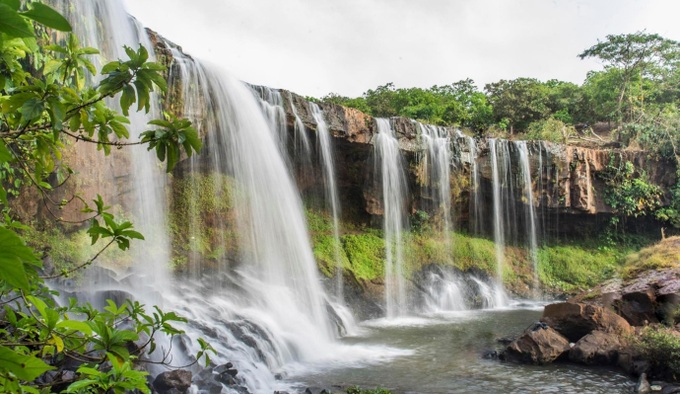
(564, 267)
(662, 255)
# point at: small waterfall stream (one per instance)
(438, 172)
(389, 166)
(530, 210)
(331, 192)
(498, 224)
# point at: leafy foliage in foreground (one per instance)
(47, 98)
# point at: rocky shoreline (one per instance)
(629, 323)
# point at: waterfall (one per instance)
(138, 179)
(530, 209)
(445, 292)
(475, 214)
(498, 214)
(438, 172)
(331, 192)
(274, 243)
(389, 167)
(301, 141)
(271, 102)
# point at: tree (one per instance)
(519, 101)
(358, 102)
(638, 56)
(45, 99)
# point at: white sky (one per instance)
(314, 47)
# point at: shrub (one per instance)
(661, 348)
(550, 129)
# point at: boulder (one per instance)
(670, 389)
(177, 381)
(539, 346)
(205, 381)
(596, 348)
(575, 321)
(638, 305)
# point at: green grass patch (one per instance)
(366, 254)
(472, 252)
(665, 254)
(326, 251)
(573, 267)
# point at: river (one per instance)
(442, 353)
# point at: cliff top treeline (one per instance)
(636, 96)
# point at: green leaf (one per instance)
(5, 154)
(142, 95)
(80, 385)
(13, 254)
(32, 109)
(110, 67)
(24, 367)
(14, 4)
(75, 325)
(51, 66)
(48, 17)
(126, 99)
(133, 234)
(12, 24)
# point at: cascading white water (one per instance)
(106, 25)
(389, 168)
(270, 311)
(301, 141)
(530, 209)
(331, 191)
(271, 102)
(438, 150)
(498, 228)
(445, 292)
(475, 186)
(490, 296)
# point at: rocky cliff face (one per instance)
(567, 181)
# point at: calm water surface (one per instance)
(442, 354)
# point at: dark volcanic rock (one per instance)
(540, 346)
(575, 321)
(596, 348)
(179, 380)
(638, 303)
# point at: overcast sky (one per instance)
(314, 47)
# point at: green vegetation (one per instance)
(551, 129)
(47, 100)
(629, 192)
(565, 267)
(662, 255)
(201, 217)
(570, 268)
(661, 347)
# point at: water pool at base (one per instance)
(444, 355)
